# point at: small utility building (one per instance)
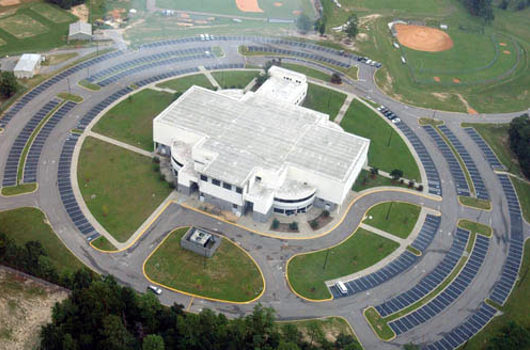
(80, 31)
(28, 65)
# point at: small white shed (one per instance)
(28, 65)
(80, 31)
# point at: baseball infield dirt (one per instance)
(423, 38)
(248, 6)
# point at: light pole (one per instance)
(390, 137)
(388, 212)
(326, 260)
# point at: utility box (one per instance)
(200, 241)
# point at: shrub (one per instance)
(420, 188)
(325, 213)
(162, 177)
(156, 160)
(156, 168)
(293, 226)
(411, 183)
(171, 185)
(275, 224)
(313, 224)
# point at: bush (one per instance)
(171, 185)
(313, 224)
(162, 177)
(156, 168)
(325, 213)
(293, 226)
(420, 188)
(275, 224)
(156, 160)
(411, 183)
(335, 78)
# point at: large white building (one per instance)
(27, 66)
(259, 153)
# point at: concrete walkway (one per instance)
(384, 234)
(343, 109)
(209, 76)
(168, 90)
(120, 144)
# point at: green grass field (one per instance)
(508, 94)
(397, 218)
(324, 100)
(29, 224)
(476, 227)
(183, 84)
(228, 7)
(228, 275)
(18, 189)
(234, 79)
(34, 27)
(126, 188)
(362, 121)
(308, 272)
(131, 120)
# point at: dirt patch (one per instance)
(25, 305)
(506, 52)
(365, 20)
(9, 2)
(248, 6)
(278, 4)
(441, 96)
(423, 38)
(81, 11)
(362, 36)
(456, 81)
(437, 79)
(470, 110)
(502, 44)
(297, 12)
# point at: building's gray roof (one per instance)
(80, 27)
(259, 132)
(27, 62)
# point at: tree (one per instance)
(352, 26)
(303, 23)
(396, 174)
(519, 135)
(374, 172)
(480, 8)
(8, 84)
(153, 342)
(503, 5)
(115, 335)
(320, 25)
(336, 79)
(511, 336)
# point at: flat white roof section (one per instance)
(80, 27)
(284, 85)
(258, 132)
(28, 62)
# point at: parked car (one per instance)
(341, 288)
(396, 120)
(155, 289)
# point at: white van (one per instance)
(342, 288)
(403, 60)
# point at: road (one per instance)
(272, 254)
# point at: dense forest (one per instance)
(66, 4)
(520, 141)
(480, 8)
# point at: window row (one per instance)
(224, 184)
(289, 212)
(279, 200)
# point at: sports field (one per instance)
(253, 8)
(33, 27)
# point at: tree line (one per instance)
(101, 314)
(66, 4)
(480, 8)
(520, 141)
(517, 5)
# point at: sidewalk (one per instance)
(344, 108)
(120, 144)
(209, 76)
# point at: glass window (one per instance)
(281, 211)
(204, 178)
(234, 206)
(227, 186)
(239, 190)
(216, 182)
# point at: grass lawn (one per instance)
(33, 28)
(475, 202)
(52, 60)
(131, 120)
(362, 121)
(103, 244)
(27, 224)
(307, 274)
(324, 100)
(88, 85)
(183, 84)
(523, 194)
(228, 275)
(381, 328)
(365, 181)
(18, 189)
(476, 227)
(397, 218)
(330, 327)
(234, 79)
(517, 308)
(70, 97)
(126, 190)
(310, 72)
(496, 136)
(430, 121)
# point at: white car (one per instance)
(396, 120)
(155, 289)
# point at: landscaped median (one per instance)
(103, 244)
(119, 187)
(230, 275)
(19, 189)
(234, 79)
(308, 272)
(396, 218)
